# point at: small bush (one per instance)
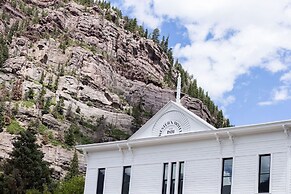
(74, 185)
(14, 127)
(27, 103)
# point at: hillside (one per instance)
(80, 72)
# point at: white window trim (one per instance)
(258, 171)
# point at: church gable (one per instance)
(172, 119)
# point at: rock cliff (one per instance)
(72, 57)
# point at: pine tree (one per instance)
(74, 167)
(156, 35)
(29, 94)
(56, 85)
(50, 83)
(40, 98)
(46, 108)
(4, 54)
(42, 77)
(137, 113)
(26, 169)
(219, 122)
(69, 136)
(62, 71)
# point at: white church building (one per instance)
(176, 152)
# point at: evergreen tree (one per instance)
(69, 136)
(156, 35)
(137, 113)
(56, 85)
(220, 120)
(41, 77)
(50, 83)
(29, 94)
(146, 33)
(26, 169)
(4, 54)
(227, 123)
(74, 167)
(12, 31)
(62, 71)
(46, 108)
(60, 106)
(59, 109)
(40, 98)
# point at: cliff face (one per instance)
(98, 70)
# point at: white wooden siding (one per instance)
(113, 180)
(91, 181)
(146, 179)
(279, 173)
(202, 176)
(203, 165)
(245, 174)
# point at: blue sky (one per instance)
(239, 51)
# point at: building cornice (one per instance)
(221, 133)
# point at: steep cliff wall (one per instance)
(93, 69)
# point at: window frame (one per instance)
(98, 179)
(173, 177)
(263, 173)
(222, 174)
(123, 180)
(165, 178)
(181, 177)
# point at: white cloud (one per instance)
(286, 77)
(265, 103)
(246, 34)
(279, 94)
(142, 10)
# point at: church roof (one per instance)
(175, 124)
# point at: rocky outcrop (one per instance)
(99, 69)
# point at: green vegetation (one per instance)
(27, 103)
(58, 111)
(74, 135)
(42, 77)
(74, 167)
(29, 94)
(85, 2)
(14, 127)
(12, 31)
(74, 185)
(117, 134)
(3, 51)
(25, 169)
(50, 83)
(73, 182)
(46, 108)
(69, 135)
(42, 129)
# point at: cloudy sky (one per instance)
(239, 51)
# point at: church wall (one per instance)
(203, 165)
